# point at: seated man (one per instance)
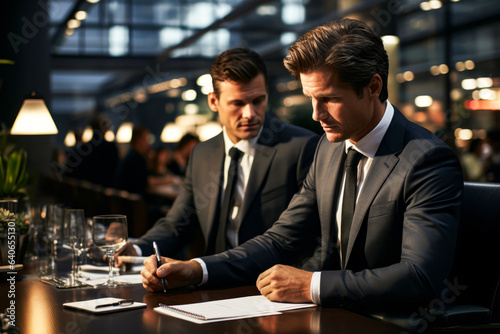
(273, 162)
(388, 219)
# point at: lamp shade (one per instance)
(33, 119)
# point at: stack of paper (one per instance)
(228, 309)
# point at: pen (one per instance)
(123, 302)
(158, 263)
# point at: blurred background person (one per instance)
(180, 156)
(472, 161)
(96, 160)
(133, 173)
(492, 163)
(161, 158)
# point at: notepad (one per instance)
(229, 309)
(90, 305)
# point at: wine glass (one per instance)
(109, 233)
(74, 236)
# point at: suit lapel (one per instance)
(212, 170)
(329, 187)
(264, 154)
(382, 165)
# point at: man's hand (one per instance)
(176, 273)
(128, 249)
(285, 284)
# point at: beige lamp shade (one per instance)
(33, 119)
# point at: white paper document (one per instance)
(90, 305)
(99, 278)
(228, 309)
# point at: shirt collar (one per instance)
(246, 146)
(368, 145)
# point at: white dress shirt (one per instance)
(368, 146)
(244, 167)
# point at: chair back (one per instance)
(476, 266)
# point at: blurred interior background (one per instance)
(145, 62)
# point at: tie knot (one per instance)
(353, 158)
(234, 153)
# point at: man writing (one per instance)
(384, 192)
(271, 163)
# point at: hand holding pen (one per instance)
(173, 272)
(158, 263)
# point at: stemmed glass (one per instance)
(109, 233)
(74, 236)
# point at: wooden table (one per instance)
(38, 309)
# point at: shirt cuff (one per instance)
(315, 287)
(205, 270)
(138, 250)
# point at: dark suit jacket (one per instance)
(403, 232)
(283, 155)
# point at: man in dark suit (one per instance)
(274, 161)
(388, 223)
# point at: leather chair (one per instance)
(471, 299)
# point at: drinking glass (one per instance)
(109, 233)
(74, 236)
(53, 227)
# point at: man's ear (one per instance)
(375, 85)
(213, 101)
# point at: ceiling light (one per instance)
(191, 109)
(484, 82)
(34, 119)
(435, 4)
(73, 24)
(408, 75)
(390, 40)
(87, 135)
(171, 133)
(109, 136)
(469, 65)
(81, 15)
(189, 95)
(204, 80)
(460, 66)
(487, 94)
(423, 101)
(425, 6)
(209, 130)
(266, 10)
(124, 133)
(443, 68)
(469, 84)
(435, 70)
(70, 139)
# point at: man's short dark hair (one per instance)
(187, 138)
(348, 47)
(238, 64)
(138, 132)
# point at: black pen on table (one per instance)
(158, 263)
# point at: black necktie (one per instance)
(228, 200)
(349, 201)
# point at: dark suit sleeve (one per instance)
(282, 243)
(172, 232)
(430, 209)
